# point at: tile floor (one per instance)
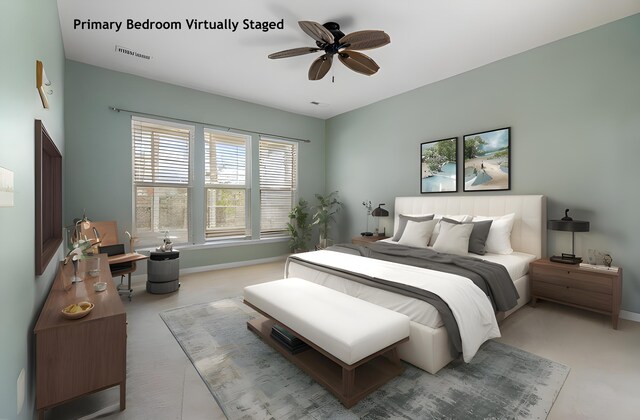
(162, 383)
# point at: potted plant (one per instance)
(299, 227)
(327, 207)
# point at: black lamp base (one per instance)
(566, 259)
(366, 234)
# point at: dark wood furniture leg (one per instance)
(349, 383)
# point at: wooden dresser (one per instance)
(81, 356)
(590, 289)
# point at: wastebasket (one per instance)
(163, 270)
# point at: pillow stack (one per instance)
(459, 234)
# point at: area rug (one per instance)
(250, 380)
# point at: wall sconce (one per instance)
(43, 84)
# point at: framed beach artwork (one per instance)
(487, 160)
(439, 166)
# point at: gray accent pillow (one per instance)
(402, 224)
(479, 234)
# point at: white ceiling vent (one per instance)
(132, 53)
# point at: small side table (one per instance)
(587, 288)
(163, 272)
(364, 240)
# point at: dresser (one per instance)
(80, 356)
(591, 289)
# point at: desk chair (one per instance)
(107, 234)
(120, 269)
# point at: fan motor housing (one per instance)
(334, 28)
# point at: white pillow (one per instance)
(499, 239)
(453, 239)
(417, 233)
(436, 231)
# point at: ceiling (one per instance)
(431, 40)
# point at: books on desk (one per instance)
(599, 267)
(289, 341)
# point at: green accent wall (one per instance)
(98, 168)
(29, 31)
(574, 111)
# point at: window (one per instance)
(195, 182)
(226, 185)
(162, 178)
(278, 184)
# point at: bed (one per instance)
(429, 347)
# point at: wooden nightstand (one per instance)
(364, 240)
(591, 289)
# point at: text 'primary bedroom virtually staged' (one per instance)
(274, 209)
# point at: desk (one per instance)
(131, 257)
(80, 356)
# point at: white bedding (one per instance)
(471, 308)
(517, 264)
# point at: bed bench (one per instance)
(353, 342)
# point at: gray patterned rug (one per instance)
(250, 380)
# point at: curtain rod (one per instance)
(113, 108)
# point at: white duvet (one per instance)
(470, 306)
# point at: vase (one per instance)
(75, 278)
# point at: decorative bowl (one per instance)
(100, 286)
(77, 310)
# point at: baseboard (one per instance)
(234, 264)
(143, 277)
(631, 316)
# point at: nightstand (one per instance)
(591, 289)
(364, 240)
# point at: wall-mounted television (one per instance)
(48, 223)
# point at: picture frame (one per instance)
(439, 166)
(487, 160)
(48, 198)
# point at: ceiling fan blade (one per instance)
(365, 40)
(293, 52)
(316, 31)
(320, 67)
(358, 62)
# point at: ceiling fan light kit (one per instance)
(330, 39)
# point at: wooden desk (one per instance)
(131, 257)
(81, 356)
(128, 257)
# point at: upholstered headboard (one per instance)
(529, 232)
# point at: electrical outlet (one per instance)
(20, 387)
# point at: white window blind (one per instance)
(161, 177)
(278, 184)
(226, 185)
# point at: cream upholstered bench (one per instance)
(353, 342)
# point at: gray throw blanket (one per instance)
(492, 278)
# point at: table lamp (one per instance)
(567, 224)
(380, 212)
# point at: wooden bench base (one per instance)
(349, 383)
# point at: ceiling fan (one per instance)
(330, 39)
